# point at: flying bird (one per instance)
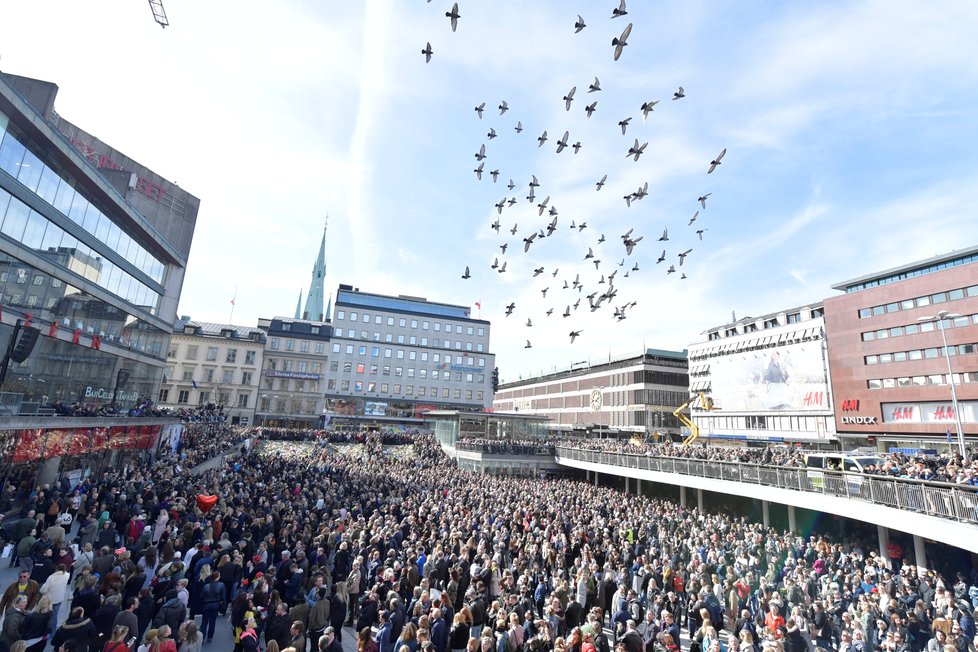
(479, 109)
(682, 256)
(500, 206)
(620, 42)
(589, 254)
(495, 226)
(510, 185)
(600, 183)
(647, 108)
(693, 218)
(544, 292)
(478, 170)
(636, 150)
(528, 345)
(537, 271)
(700, 233)
(702, 200)
(680, 94)
(454, 16)
(466, 274)
(715, 162)
(562, 143)
(630, 244)
(550, 311)
(660, 258)
(596, 86)
(579, 25)
(624, 125)
(591, 108)
(574, 334)
(620, 11)
(533, 181)
(495, 175)
(502, 268)
(569, 98)
(510, 308)
(543, 205)
(527, 242)
(512, 231)
(503, 107)
(682, 276)
(492, 133)
(532, 197)
(601, 238)
(529, 323)
(481, 154)
(577, 147)
(671, 270)
(542, 138)
(495, 264)
(512, 200)
(518, 127)
(665, 235)
(581, 226)
(503, 246)
(427, 52)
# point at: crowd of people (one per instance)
(143, 407)
(296, 546)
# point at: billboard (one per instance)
(781, 379)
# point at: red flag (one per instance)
(478, 304)
(96, 342)
(76, 337)
(53, 330)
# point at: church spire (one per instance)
(298, 306)
(314, 300)
(329, 307)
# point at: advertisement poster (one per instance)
(784, 378)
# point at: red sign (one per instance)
(903, 413)
(850, 405)
(813, 398)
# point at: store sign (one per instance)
(292, 374)
(859, 421)
(850, 405)
(106, 394)
(931, 412)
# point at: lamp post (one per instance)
(940, 317)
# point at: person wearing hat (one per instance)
(383, 637)
(328, 642)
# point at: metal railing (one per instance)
(949, 501)
(504, 448)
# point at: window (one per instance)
(412, 355)
(304, 346)
(410, 372)
(869, 336)
(331, 384)
(227, 375)
(249, 357)
(412, 340)
(231, 355)
(360, 368)
(424, 327)
(344, 385)
(384, 388)
(340, 314)
(273, 344)
(398, 371)
(301, 366)
(290, 345)
(400, 354)
(386, 370)
(892, 307)
(358, 386)
(409, 390)
(458, 329)
(940, 297)
(397, 389)
(211, 353)
(353, 316)
(424, 341)
(362, 349)
(336, 347)
(793, 318)
(375, 351)
(320, 347)
(457, 393)
(349, 349)
(315, 330)
(188, 375)
(481, 331)
(164, 395)
(334, 366)
(373, 369)
(930, 353)
(400, 339)
(192, 352)
(183, 396)
(390, 322)
(389, 337)
(347, 367)
(246, 377)
(376, 337)
(422, 373)
(437, 328)
(402, 322)
(421, 390)
(444, 392)
(468, 330)
(242, 400)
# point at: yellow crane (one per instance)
(696, 400)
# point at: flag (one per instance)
(76, 336)
(478, 304)
(193, 382)
(949, 436)
(96, 342)
(53, 330)
(232, 302)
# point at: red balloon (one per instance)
(205, 503)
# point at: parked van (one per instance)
(855, 462)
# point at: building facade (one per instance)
(296, 353)
(768, 378)
(394, 357)
(93, 251)
(214, 363)
(889, 368)
(636, 394)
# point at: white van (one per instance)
(854, 465)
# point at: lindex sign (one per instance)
(850, 420)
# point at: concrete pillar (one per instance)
(595, 478)
(638, 489)
(682, 495)
(626, 484)
(699, 499)
(792, 521)
(920, 554)
(884, 538)
(587, 475)
(766, 513)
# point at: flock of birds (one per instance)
(600, 291)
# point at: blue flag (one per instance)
(194, 383)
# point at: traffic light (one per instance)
(495, 379)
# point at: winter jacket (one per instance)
(172, 613)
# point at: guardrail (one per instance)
(503, 448)
(950, 501)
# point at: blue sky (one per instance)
(850, 130)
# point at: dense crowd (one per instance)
(143, 407)
(293, 544)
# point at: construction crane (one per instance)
(159, 13)
(696, 400)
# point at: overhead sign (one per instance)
(292, 374)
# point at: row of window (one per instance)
(372, 387)
(231, 355)
(302, 366)
(304, 345)
(365, 318)
(292, 385)
(919, 302)
(893, 278)
(921, 354)
(413, 340)
(21, 158)
(789, 318)
(400, 354)
(222, 398)
(227, 376)
(809, 424)
(921, 381)
(436, 374)
(922, 327)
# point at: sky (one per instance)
(849, 129)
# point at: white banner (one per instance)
(931, 412)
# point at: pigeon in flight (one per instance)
(562, 143)
(577, 147)
(529, 323)
(693, 218)
(579, 25)
(600, 183)
(683, 276)
(544, 292)
(581, 226)
(528, 345)
(532, 197)
(503, 107)
(620, 42)
(715, 162)
(466, 274)
(591, 108)
(481, 154)
(478, 170)
(502, 268)
(596, 86)
(510, 308)
(500, 206)
(636, 150)
(671, 270)
(574, 334)
(555, 272)
(647, 109)
(512, 231)
(492, 133)
(624, 125)
(597, 262)
(550, 311)
(503, 246)
(630, 244)
(542, 138)
(537, 272)
(702, 200)
(495, 175)
(527, 242)
(512, 200)
(543, 205)
(518, 127)
(533, 181)
(682, 256)
(454, 16)
(589, 254)
(680, 94)
(620, 11)
(495, 226)
(427, 52)
(510, 185)
(700, 233)
(495, 264)
(660, 258)
(635, 267)
(601, 238)
(479, 109)
(665, 235)
(569, 97)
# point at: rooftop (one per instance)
(911, 270)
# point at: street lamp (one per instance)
(941, 316)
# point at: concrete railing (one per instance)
(949, 501)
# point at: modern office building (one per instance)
(768, 379)
(93, 251)
(633, 394)
(296, 352)
(890, 374)
(394, 357)
(214, 363)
